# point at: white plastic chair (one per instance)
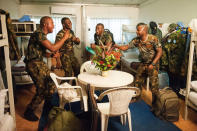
(119, 100)
(68, 93)
(89, 67)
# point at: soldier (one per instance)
(37, 68)
(102, 37)
(150, 53)
(154, 30)
(68, 60)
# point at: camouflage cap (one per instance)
(172, 27)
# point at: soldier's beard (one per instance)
(67, 27)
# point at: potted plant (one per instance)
(106, 59)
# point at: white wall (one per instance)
(10, 6)
(112, 11)
(45, 10)
(168, 11)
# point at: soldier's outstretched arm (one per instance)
(122, 47)
(58, 44)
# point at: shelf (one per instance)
(24, 28)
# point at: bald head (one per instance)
(44, 20)
(46, 24)
(142, 29)
(143, 26)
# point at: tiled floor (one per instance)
(25, 93)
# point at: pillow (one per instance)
(194, 85)
(193, 97)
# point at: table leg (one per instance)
(93, 108)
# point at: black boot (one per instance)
(29, 115)
(153, 102)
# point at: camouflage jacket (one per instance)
(158, 34)
(35, 49)
(104, 38)
(147, 49)
(68, 44)
(13, 46)
(173, 53)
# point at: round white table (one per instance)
(114, 79)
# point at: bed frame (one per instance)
(4, 44)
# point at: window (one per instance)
(57, 25)
(128, 33)
(113, 24)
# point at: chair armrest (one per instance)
(137, 90)
(66, 78)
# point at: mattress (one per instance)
(193, 97)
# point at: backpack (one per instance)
(62, 120)
(107, 30)
(167, 105)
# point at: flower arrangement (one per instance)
(106, 59)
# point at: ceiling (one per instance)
(112, 2)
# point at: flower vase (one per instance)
(104, 73)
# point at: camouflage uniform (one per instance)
(158, 34)
(173, 53)
(38, 70)
(104, 38)
(14, 52)
(68, 60)
(173, 57)
(147, 53)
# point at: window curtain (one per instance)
(57, 25)
(113, 24)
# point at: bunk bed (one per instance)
(23, 31)
(4, 44)
(191, 93)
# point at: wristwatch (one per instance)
(153, 64)
(51, 55)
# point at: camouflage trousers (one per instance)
(143, 73)
(45, 87)
(70, 64)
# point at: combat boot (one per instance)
(29, 115)
(153, 102)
